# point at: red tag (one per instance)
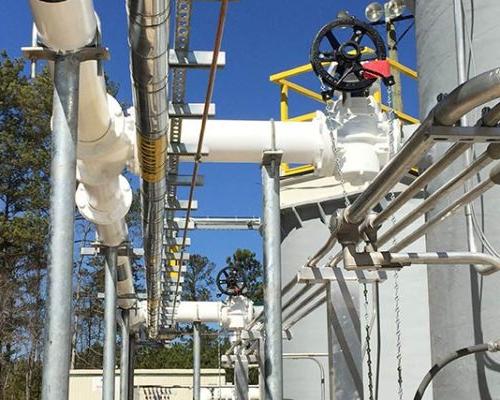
(376, 69)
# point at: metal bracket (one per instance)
(272, 155)
(124, 250)
(475, 134)
(194, 59)
(369, 260)
(84, 54)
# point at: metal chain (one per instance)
(367, 339)
(397, 309)
(332, 125)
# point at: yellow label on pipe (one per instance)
(152, 156)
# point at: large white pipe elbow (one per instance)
(65, 25)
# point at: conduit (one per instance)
(479, 348)
(148, 40)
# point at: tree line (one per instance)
(25, 151)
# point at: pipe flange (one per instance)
(111, 211)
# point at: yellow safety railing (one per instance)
(286, 85)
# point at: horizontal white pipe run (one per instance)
(199, 311)
(245, 141)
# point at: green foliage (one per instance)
(246, 261)
(198, 279)
(25, 109)
(25, 150)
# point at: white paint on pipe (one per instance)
(245, 141)
(199, 311)
(105, 146)
(65, 25)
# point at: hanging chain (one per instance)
(367, 339)
(397, 309)
(332, 125)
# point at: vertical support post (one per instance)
(262, 375)
(196, 361)
(110, 297)
(284, 114)
(272, 274)
(125, 356)
(241, 375)
(392, 44)
(331, 338)
(57, 353)
(462, 77)
(131, 367)
(284, 102)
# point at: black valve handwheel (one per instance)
(348, 75)
(231, 281)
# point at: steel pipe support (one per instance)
(57, 349)
(272, 275)
(196, 361)
(125, 355)
(110, 303)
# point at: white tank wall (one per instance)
(455, 309)
(301, 380)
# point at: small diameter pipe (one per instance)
(305, 313)
(454, 183)
(293, 299)
(318, 363)
(306, 302)
(327, 247)
(125, 355)
(466, 97)
(196, 361)
(445, 213)
(57, 352)
(418, 184)
(480, 348)
(485, 263)
(110, 299)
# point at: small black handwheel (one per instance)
(231, 281)
(343, 42)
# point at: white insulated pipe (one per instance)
(104, 145)
(199, 311)
(241, 141)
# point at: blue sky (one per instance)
(261, 37)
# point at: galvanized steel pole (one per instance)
(110, 297)
(125, 356)
(272, 275)
(331, 339)
(196, 361)
(57, 352)
(131, 367)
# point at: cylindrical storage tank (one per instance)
(304, 233)
(464, 308)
